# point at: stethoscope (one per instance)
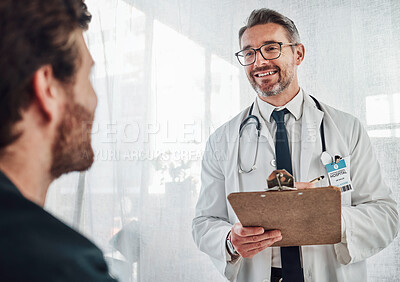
(252, 119)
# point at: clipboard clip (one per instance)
(280, 180)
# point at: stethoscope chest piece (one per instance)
(326, 158)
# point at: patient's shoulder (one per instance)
(35, 245)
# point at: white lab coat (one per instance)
(369, 213)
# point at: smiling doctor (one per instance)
(287, 128)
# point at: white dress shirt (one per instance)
(293, 128)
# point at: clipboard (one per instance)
(305, 217)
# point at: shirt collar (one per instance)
(295, 107)
(5, 183)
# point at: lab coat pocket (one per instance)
(348, 188)
(339, 176)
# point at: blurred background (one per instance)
(166, 77)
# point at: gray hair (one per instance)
(264, 16)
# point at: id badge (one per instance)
(339, 174)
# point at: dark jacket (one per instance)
(35, 246)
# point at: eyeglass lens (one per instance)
(269, 52)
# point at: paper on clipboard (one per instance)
(305, 217)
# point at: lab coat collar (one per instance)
(264, 130)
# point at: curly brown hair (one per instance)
(34, 33)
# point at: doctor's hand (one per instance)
(249, 241)
(304, 185)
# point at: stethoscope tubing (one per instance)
(250, 116)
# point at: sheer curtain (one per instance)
(166, 77)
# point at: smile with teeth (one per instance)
(265, 73)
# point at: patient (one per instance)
(47, 104)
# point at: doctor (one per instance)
(284, 118)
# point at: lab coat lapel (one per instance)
(312, 118)
(235, 171)
(233, 154)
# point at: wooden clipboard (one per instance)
(305, 217)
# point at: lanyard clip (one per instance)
(337, 158)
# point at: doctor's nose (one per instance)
(260, 61)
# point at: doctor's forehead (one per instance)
(260, 34)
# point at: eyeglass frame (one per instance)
(259, 49)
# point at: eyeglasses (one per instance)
(269, 51)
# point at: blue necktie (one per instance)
(290, 256)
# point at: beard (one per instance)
(285, 79)
(72, 149)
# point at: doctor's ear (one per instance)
(299, 53)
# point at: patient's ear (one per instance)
(46, 91)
